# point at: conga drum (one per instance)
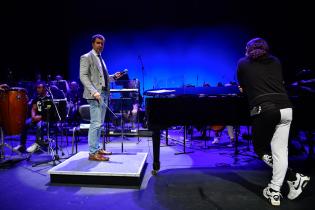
(13, 110)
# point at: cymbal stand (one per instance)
(9, 161)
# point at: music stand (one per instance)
(122, 122)
(184, 143)
(52, 144)
(125, 88)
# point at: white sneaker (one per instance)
(33, 148)
(19, 148)
(267, 159)
(216, 140)
(297, 186)
(231, 144)
(272, 195)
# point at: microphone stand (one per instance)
(197, 81)
(52, 100)
(142, 70)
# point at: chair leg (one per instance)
(73, 137)
(76, 143)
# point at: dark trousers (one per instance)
(28, 125)
(263, 128)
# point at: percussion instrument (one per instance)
(13, 110)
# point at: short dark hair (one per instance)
(257, 48)
(40, 82)
(97, 36)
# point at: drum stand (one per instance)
(2, 145)
(9, 161)
(52, 144)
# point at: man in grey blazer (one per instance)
(95, 79)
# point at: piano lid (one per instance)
(193, 91)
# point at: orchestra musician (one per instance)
(219, 128)
(74, 101)
(35, 121)
(136, 99)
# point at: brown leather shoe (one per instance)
(98, 157)
(103, 152)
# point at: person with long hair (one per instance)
(260, 78)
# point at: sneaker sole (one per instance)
(270, 201)
(274, 203)
(32, 151)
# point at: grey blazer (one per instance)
(91, 75)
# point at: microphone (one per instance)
(124, 72)
(48, 79)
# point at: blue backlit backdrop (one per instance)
(168, 57)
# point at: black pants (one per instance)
(263, 128)
(29, 124)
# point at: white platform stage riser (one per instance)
(123, 169)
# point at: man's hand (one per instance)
(36, 118)
(117, 75)
(97, 96)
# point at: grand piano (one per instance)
(207, 106)
(192, 106)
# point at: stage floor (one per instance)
(212, 177)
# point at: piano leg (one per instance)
(156, 150)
